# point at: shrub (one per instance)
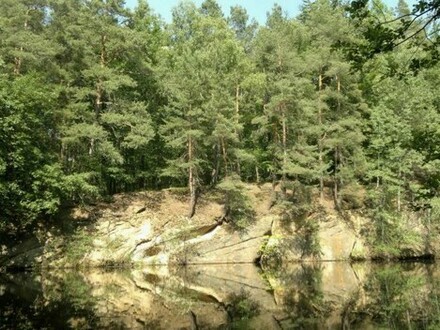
(238, 209)
(242, 307)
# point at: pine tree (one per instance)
(104, 119)
(23, 40)
(211, 8)
(244, 30)
(340, 105)
(284, 122)
(184, 82)
(30, 178)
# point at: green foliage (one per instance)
(30, 178)
(381, 32)
(352, 197)
(308, 240)
(77, 291)
(395, 296)
(78, 245)
(241, 306)
(295, 208)
(297, 203)
(392, 238)
(238, 208)
(79, 188)
(304, 305)
(435, 211)
(271, 253)
(97, 99)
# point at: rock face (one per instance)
(225, 246)
(337, 241)
(323, 236)
(150, 228)
(157, 234)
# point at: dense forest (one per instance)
(340, 102)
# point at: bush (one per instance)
(391, 236)
(78, 245)
(295, 207)
(238, 208)
(241, 306)
(352, 197)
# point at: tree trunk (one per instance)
(225, 155)
(216, 169)
(335, 179)
(17, 64)
(320, 142)
(284, 142)
(377, 177)
(336, 154)
(99, 91)
(237, 105)
(399, 202)
(237, 120)
(18, 60)
(191, 180)
(91, 146)
(276, 137)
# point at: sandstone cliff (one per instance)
(151, 228)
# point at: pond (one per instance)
(329, 295)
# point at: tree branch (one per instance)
(415, 33)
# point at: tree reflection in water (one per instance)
(300, 296)
(25, 305)
(401, 296)
(303, 300)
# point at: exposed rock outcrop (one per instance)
(150, 228)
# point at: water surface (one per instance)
(301, 296)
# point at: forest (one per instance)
(340, 102)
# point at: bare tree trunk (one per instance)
(17, 64)
(335, 179)
(99, 90)
(192, 180)
(91, 146)
(399, 201)
(18, 59)
(237, 105)
(276, 137)
(225, 155)
(336, 155)
(214, 175)
(237, 120)
(320, 142)
(377, 177)
(284, 142)
(62, 151)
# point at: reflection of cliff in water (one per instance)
(311, 296)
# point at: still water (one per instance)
(242, 296)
